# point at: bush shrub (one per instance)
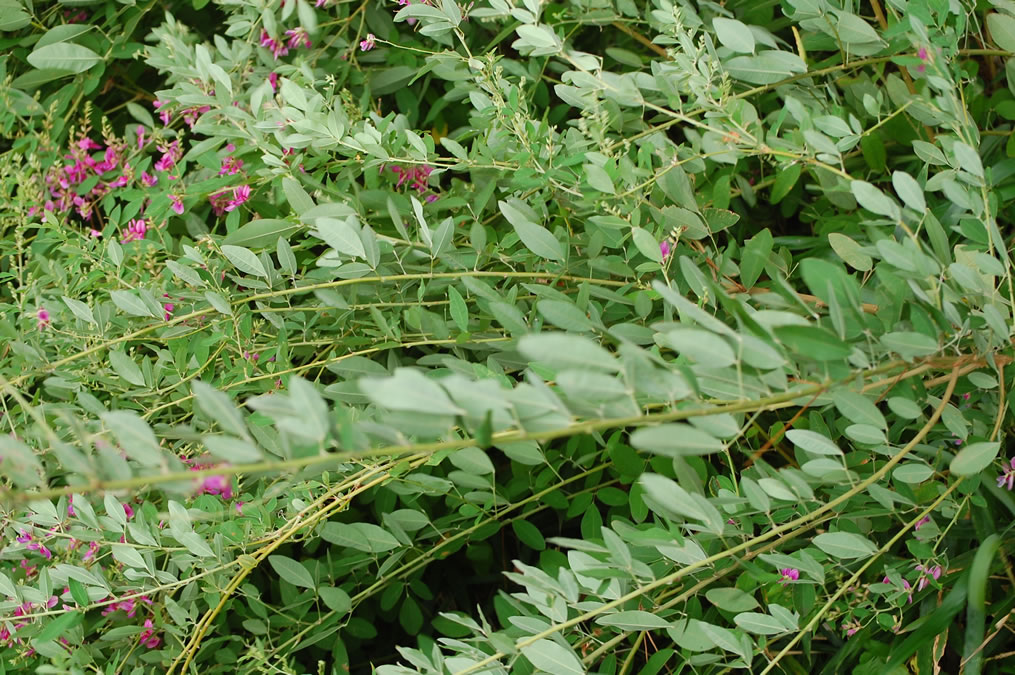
(424, 337)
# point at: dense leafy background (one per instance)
(615, 337)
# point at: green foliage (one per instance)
(447, 338)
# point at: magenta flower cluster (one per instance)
(417, 177)
(297, 37)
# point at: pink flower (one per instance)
(177, 204)
(216, 485)
(368, 44)
(664, 248)
(23, 538)
(95, 233)
(905, 584)
(926, 572)
(88, 144)
(128, 509)
(240, 195)
(135, 230)
(789, 574)
(230, 166)
(298, 36)
(42, 316)
(147, 637)
(163, 115)
(277, 48)
(140, 136)
(1007, 479)
(171, 154)
(273, 81)
(70, 506)
(93, 547)
(920, 523)
(147, 179)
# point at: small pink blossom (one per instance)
(148, 637)
(664, 248)
(135, 230)
(926, 573)
(95, 233)
(1007, 479)
(273, 81)
(42, 316)
(177, 204)
(240, 195)
(789, 574)
(216, 485)
(70, 506)
(93, 548)
(298, 37)
(368, 44)
(23, 538)
(147, 179)
(905, 584)
(920, 523)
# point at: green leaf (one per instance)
(130, 303)
(784, 182)
(135, 437)
(853, 30)
(129, 556)
(550, 657)
(244, 260)
(365, 537)
(79, 309)
(561, 350)
(58, 626)
(536, 238)
(66, 56)
(912, 473)
(700, 346)
(755, 256)
(1002, 30)
(232, 450)
(646, 244)
(312, 407)
(292, 571)
(565, 315)
(598, 178)
(909, 344)
(78, 592)
(850, 252)
(529, 534)
(768, 67)
(759, 624)
(409, 389)
(297, 197)
(219, 303)
(286, 258)
(813, 342)
(909, 191)
(675, 440)
(731, 599)
(341, 236)
(125, 367)
(734, 35)
(459, 310)
(262, 232)
(845, 545)
(62, 33)
(185, 274)
(633, 619)
(472, 460)
(873, 199)
(813, 442)
(858, 408)
(336, 599)
(218, 406)
(974, 458)
(12, 16)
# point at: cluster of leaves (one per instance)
(454, 341)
